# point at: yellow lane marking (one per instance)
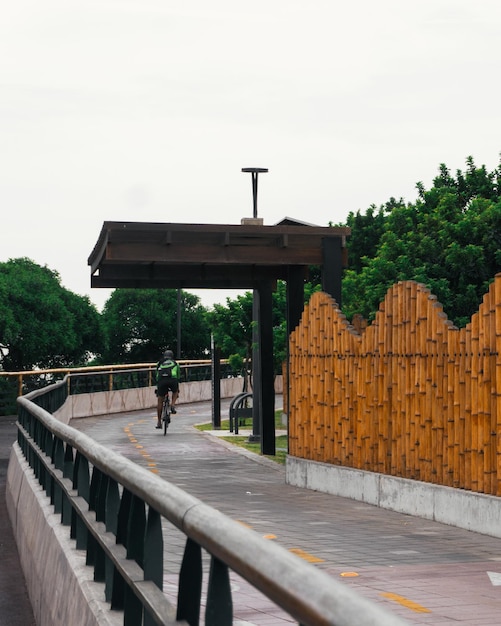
(243, 523)
(349, 574)
(413, 606)
(132, 438)
(270, 536)
(306, 556)
(297, 551)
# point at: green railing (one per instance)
(98, 492)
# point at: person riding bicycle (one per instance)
(168, 375)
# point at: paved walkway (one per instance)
(426, 572)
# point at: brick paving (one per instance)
(423, 571)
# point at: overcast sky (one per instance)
(147, 110)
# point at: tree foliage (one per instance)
(139, 324)
(42, 324)
(232, 327)
(449, 239)
(366, 232)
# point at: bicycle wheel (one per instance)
(166, 413)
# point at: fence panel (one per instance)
(412, 396)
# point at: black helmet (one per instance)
(168, 354)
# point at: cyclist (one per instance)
(168, 375)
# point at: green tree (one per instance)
(42, 324)
(449, 239)
(140, 323)
(366, 232)
(232, 327)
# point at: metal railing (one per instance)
(114, 509)
(98, 378)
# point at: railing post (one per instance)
(93, 497)
(153, 555)
(133, 610)
(47, 441)
(112, 507)
(67, 473)
(190, 584)
(100, 561)
(219, 609)
(37, 466)
(118, 588)
(81, 481)
(58, 461)
(135, 531)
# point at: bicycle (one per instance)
(165, 415)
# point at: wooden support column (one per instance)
(256, 371)
(266, 381)
(295, 296)
(216, 385)
(332, 267)
(295, 307)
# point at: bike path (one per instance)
(423, 571)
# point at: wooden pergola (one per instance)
(226, 256)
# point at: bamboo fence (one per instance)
(412, 396)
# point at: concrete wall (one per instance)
(105, 402)
(61, 587)
(456, 507)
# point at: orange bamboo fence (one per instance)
(412, 396)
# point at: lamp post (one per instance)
(254, 171)
(257, 397)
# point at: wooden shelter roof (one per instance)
(175, 255)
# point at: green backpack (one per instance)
(166, 368)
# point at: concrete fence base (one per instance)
(60, 585)
(456, 507)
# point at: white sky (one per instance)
(147, 110)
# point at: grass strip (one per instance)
(255, 447)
